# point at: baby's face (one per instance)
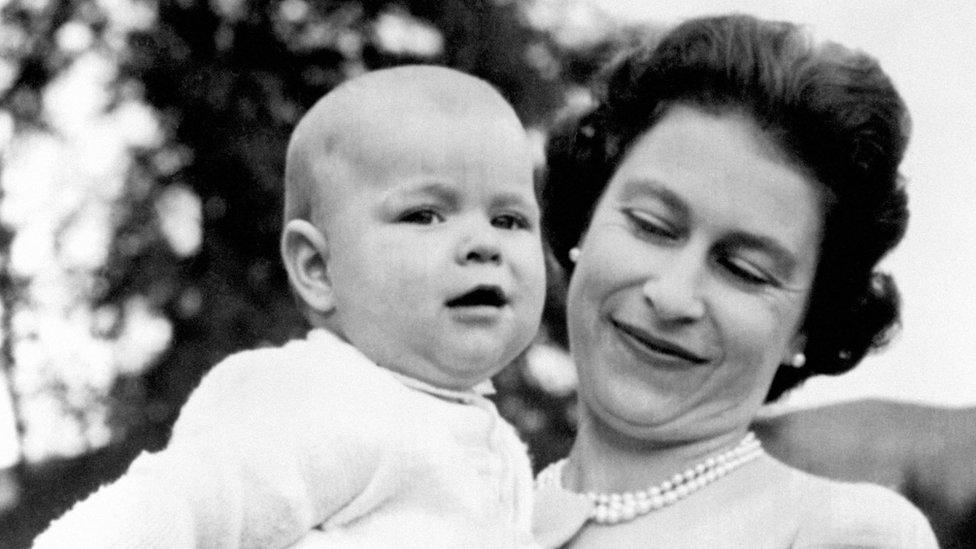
(435, 252)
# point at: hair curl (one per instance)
(834, 114)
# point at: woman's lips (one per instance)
(651, 344)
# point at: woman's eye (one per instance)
(747, 273)
(510, 221)
(425, 216)
(651, 226)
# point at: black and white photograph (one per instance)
(494, 274)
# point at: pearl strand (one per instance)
(619, 507)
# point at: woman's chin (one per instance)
(655, 419)
(629, 418)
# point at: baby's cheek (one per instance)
(535, 276)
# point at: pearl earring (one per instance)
(574, 254)
(798, 360)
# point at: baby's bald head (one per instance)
(356, 125)
(409, 197)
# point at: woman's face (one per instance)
(692, 279)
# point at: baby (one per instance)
(412, 243)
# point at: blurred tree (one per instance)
(69, 127)
(143, 146)
(231, 79)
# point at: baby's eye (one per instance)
(422, 216)
(510, 221)
(649, 225)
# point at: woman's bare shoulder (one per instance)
(857, 514)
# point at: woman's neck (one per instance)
(604, 460)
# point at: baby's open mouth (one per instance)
(490, 296)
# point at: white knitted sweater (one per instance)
(311, 443)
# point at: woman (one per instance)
(720, 215)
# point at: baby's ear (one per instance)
(305, 253)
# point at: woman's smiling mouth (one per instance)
(656, 347)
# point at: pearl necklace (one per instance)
(621, 507)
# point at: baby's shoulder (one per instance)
(314, 376)
(320, 361)
(252, 376)
(860, 513)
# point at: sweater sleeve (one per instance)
(265, 449)
(149, 506)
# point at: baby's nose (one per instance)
(480, 246)
(484, 254)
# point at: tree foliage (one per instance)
(223, 82)
(230, 85)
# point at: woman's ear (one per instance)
(794, 355)
(305, 253)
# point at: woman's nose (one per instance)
(673, 289)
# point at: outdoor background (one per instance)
(142, 148)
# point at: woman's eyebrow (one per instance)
(652, 188)
(785, 259)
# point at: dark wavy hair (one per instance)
(833, 113)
